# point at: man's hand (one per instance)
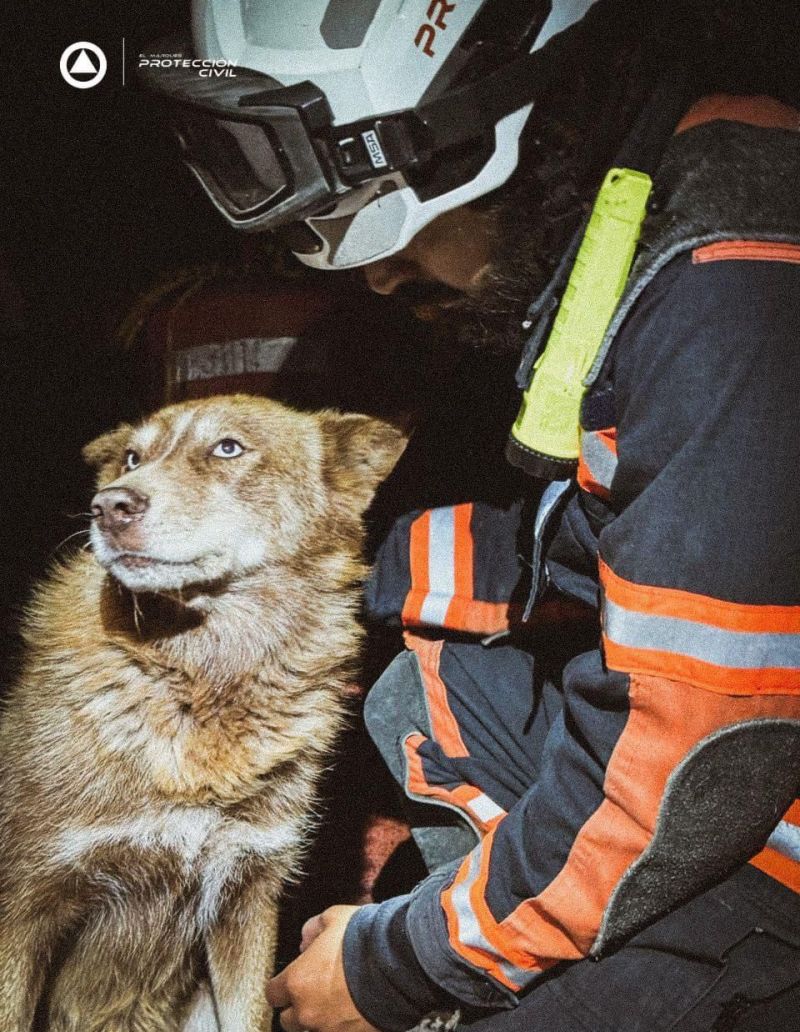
(312, 992)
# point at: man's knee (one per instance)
(395, 708)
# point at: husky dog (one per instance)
(181, 691)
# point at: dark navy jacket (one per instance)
(685, 525)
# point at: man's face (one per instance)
(471, 272)
(448, 257)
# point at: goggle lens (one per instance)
(236, 160)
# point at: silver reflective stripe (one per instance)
(232, 358)
(743, 650)
(602, 463)
(548, 504)
(485, 809)
(551, 496)
(441, 566)
(786, 839)
(469, 932)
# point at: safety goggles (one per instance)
(269, 155)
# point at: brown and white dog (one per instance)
(181, 691)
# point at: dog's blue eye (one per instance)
(132, 459)
(227, 448)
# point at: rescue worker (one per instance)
(619, 839)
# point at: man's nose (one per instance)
(387, 275)
(116, 507)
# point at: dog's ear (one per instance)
(360, 453)
(106, 448)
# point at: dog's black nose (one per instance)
(118, 506)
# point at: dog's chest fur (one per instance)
(207, 797)
(194, 742)
(203, 850)
(191, 777)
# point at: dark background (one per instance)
(96, 207)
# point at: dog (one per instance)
(182, 688)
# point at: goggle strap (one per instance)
(469, 111)
(304, 97)
(408, 138)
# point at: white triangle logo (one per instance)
(87, 69)
(83, 65)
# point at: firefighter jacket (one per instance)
(675, 758)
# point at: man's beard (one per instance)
(491, 320)
(524, 254)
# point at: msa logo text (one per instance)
(438, 10)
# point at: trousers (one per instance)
(727, 961)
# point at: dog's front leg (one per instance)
(241, 957)
(23, 947)
(202, 1015)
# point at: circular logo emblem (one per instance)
(83, 65)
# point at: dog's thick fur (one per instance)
(181, 690)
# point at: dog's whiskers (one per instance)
(69, 537)
(137, 614)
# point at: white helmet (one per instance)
(354, 123)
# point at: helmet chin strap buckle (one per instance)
(376, 147)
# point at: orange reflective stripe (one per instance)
(588, 482)
(465, 612)
(476, 617)
(729, 647)
(608, 438)
(475, 955)
(419, 540)
(444, 726)
(415, 776)
(462, 901)
(565, 917)
(417, 783)
(754, 110)
(510, 941)
(482, 811)
(792, 815)
(464, 549)
(597, 461)
(685, 605)
(667, 720)
(778, 866)
(710, 676)
(472, 616)
(442, 594)
(746, 250)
